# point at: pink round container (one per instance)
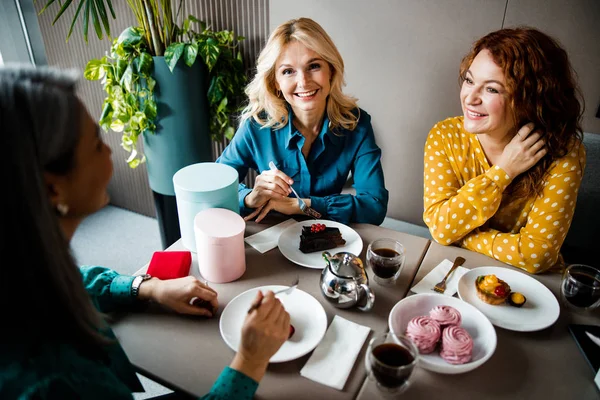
(220, 244)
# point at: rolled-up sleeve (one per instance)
(238, 154)
(107, 288)
(232, 384)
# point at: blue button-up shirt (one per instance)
(322, 175)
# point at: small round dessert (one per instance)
(425, 332)
(516, 299)
(491, 289)
(457, 345)
(445, 316)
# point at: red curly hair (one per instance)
(542, 89)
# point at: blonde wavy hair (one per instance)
(269, 110)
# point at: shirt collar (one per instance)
(292, 134)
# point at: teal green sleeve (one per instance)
(56, 387)
(108, 289)
(232, 384)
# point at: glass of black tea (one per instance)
(390, 362)
(385, 257)
(580, 287)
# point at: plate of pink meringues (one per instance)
(452, 336)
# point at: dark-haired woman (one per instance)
(55, 343)
(502, 179)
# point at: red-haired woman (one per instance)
(503, 178)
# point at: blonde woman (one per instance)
(300, 130)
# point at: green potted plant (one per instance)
(156, 89)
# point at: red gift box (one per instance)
(170, 264)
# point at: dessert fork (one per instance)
(301, 203)
(287, 290)
(440, 287)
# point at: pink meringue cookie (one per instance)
(457, 345)
(424, 332)
(445, 316)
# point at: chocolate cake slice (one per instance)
(318, 237)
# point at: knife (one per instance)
(593, 338)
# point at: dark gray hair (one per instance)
(42, 294)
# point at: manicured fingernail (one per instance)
(291, 182)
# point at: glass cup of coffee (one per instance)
(390, 362)
(385, 257)
(580, 287)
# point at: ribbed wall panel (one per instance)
(129, 188)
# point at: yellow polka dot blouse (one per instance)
(465, 202)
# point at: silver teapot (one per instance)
(344, 282)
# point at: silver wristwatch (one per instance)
(137, 281)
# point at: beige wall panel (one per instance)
(129, 188)
(402, 61)
(576, 24)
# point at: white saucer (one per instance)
(289, 242)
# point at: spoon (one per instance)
(287, 290)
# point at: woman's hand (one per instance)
(524, 150)
(265, 329)
(270, 184)
(286, 205)
(177, 294)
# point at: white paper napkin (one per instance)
(333, 359)
(267, 239)
(436, 275)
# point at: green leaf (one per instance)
(150, 110)
(61, 11)
(191, 51)
(133, 164)
(120, 70)
(106, 116)
(96, 19)
(144, 66)
(103, 16)
(229, 132)
(150, 82)
(93, 70)
(117, 125)
(130, 37)
(127, 78)
(132, 156)
(173, 53)
(86, 19)
(48, 4)
(74, 19)
(222, 105)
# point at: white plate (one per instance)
(289, 243)
(306, 314)
(539, 311)
(473, 321)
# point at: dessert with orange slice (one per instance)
(491, 289)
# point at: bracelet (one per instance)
(311, 212)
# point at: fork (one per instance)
(440, 287)
(301, 202)
(287, 290)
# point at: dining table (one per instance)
(188, 353)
